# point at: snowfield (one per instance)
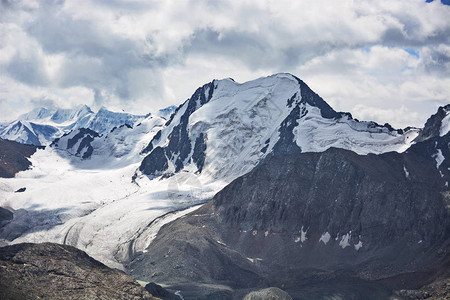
(93, 204)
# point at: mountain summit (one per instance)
(227, 128)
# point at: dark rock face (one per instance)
(83, 138)
(334, 217)
(308, 96)
(286, 143)
(179, 146)
(5, 216)
(156, 162)
(52, 271)
(433, 124)
(13, 157)
(160, 292)
(199, 152)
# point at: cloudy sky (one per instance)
(385, 60)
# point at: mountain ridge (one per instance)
(299, 215)
(273, 114)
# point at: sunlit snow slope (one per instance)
(41, 126)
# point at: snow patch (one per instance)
(439, 158)
(345, 240)
(325, 237)
(445, 125)
(316, 134)
(303, 237)
(406, 172)
(358, 246)
(221, 243)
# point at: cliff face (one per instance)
(52, 271)
(13, 157)
(319, 215)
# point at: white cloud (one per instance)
(142, 55)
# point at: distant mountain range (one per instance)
(42, 125)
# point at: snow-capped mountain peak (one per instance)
(43, 125)
(62, 116)
(227, 128)
(437, 125)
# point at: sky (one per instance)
(384, 60)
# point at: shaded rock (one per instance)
(5, 216)
(160, 292)
(439, 289)
(77, 142)
(272, 293)
(52, 271)
(14, 157)
(21, 190)
(335, 217)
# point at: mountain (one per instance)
(122, 143)
(437, 125)
(14, 157)
(227, 128)
(317, 225)
(28, 132)
(51, 271)
(167, 112)
(41, 126)
(109, 194)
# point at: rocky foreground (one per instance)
(52, 271)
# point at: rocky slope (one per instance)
(338, 222)
(52, 271)
(14, 157)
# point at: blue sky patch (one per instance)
(445, 2)
(412, 52)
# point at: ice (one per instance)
(303, 237)
(358, 246)
(345, 240)
(439, 158)
(445, 125)
(325, 238)
(316, 134)
(406, 172)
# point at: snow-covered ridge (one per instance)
(226, 128)
(41, 126)
(445, 124)
(122, 145)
